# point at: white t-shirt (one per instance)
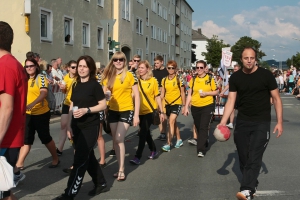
(280, 79)
(57, 73)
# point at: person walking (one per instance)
(13, 93)
(150, 98)
(123, 107)
(37, 114)
(174, 97)
(87, 100)
(253, 86)
(203, 88)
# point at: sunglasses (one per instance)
(136, 60)
(73, 67)
(29, 66)
(118, 59)
(199, 67)
(169, 68)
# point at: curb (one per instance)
(54, 120)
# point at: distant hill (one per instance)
(271, 63)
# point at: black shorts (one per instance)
(65, 109)
(102, 115)
(40, 124)
(122, 116)
(175, 109)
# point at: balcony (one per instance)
(177, 31)
(177, 51)
(177, 11)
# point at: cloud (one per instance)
(239, 19)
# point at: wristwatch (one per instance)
(88, 111)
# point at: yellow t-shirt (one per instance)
(150, 88)
(69, 82)
(121, 93)
(172, 91)
(34, 92)
(206, 86)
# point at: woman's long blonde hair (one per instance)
(149, 74)
(110, 71)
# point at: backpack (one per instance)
(50, 96)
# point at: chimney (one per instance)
(199, 31)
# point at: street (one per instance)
(179, 174)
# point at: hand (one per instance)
(221, 94)
(203, 94)
(162, 117)
(186, 112)
(182, 110)
(62, 86)
(136, 121)
(70, 132)
(30, 106)
(278, 128)
(80, 112)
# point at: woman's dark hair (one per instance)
(37, 69)
(90, 64)
(201, 61)
(71, 62)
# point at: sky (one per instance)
(274, 23)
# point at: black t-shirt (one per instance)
(253, 92)
(86, 95)
(160, 74)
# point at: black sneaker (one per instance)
(98, 189)
(67, 171)
(162, 137)
(59, 153)
(112, 153)
(63, 197)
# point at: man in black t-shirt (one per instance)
(159, 73)
(253, 86)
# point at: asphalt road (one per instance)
(179, 174)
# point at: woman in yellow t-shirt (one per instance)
(148, 88)
(66, 87)
(201, 96)
(123, 111)
(37, 114)
(174, 97)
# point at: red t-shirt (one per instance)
(13, 81)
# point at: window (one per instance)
(139, 51)
(153, 6)
(126, 9)
(165, 37)
(147, 46)
(165, 13)
(147, 16)
(172, 40)
(139, 26)
(173, 20)
(158, 34)
(153, 32)
(85, 34)
(100, 3)
(153, 55)
(46, 25)
(69, 29)
(159, 9)
(100, 37)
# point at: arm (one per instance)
(224, 90)
(6, 113)
(158, 101)
(40, 98)
(137, 103)
(95, 109)
(278, 109)
(182, 93)
(187, 103)
(228, 108)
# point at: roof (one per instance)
(188, 5)
(197, 35)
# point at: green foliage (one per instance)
(214, 51)
(264, 64)
(243, 42)
(295, 60)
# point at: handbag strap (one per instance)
(145, 95)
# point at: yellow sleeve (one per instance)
(213, 84)
(163, 81)
(43, 83)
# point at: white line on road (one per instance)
(269, 193)
(288, 97)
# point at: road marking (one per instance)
(287, 97)
(289, 104)
(269, 193)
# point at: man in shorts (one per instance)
(13, 93)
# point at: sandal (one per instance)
(121, 178)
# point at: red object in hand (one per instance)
(222, 133)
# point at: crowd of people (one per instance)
(288, 81)
(125, 94)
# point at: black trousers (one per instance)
(145, 136)
(251, 140)
(84, 159)
(202, 117)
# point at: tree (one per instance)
(264, 64)
(214, 51)
(243, 42)
(295, 60)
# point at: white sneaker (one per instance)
(18, 178)
(230, 125)
(200, 154)
(244, 195)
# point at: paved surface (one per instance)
(179, 174)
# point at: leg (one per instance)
(145, 123)
(194, 132)
(24, 151)
(172, 121)
(63, 131)
(101, 146)
(52, 149)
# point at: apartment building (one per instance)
(199, 43)
(66, 29)
(71, 28)
(154, 27)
